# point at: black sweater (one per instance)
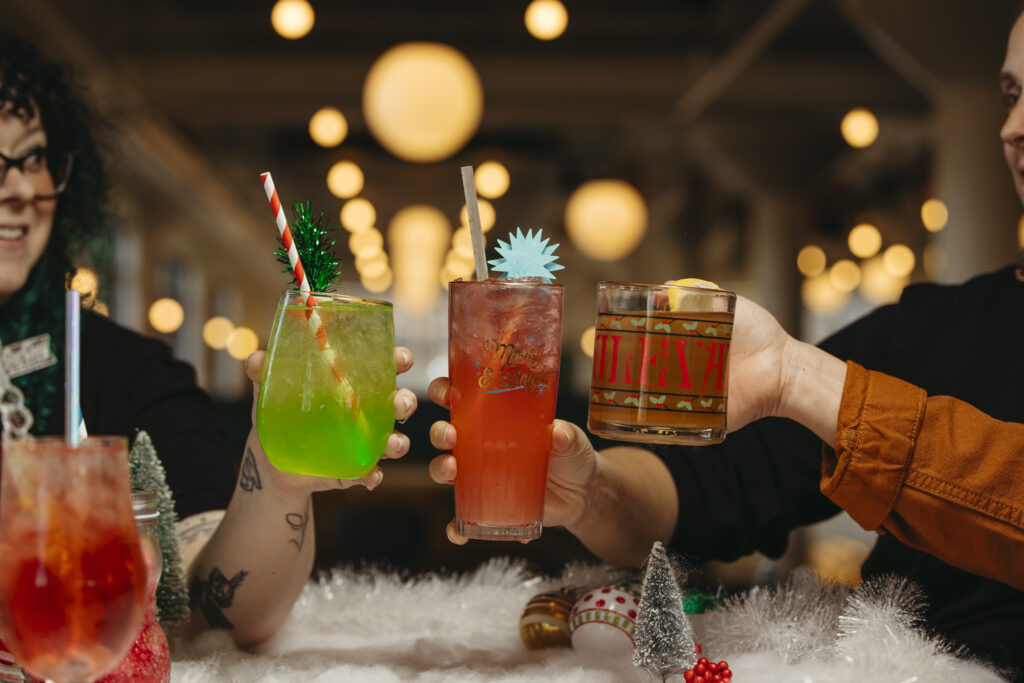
(131, 382)
(748, 493)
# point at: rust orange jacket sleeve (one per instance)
(936, 473)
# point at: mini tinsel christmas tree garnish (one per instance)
(527, 256)
(316, 250)
(147, 473)
(664, 636)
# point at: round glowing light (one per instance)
(216, 331)
(166, 315)
(821, 296)
(358, 215)
(811, 261)
(864, 240)
(86, 282)
(934, 260)
(587, 341)
(292, 19)
(422, 101)
(242, 342)
(459, 267)
(934, 215)
(345, 179)
(844, 275)
(859, 128)
(374, 263)
(366, 243)
(328, 127)
(462, 243)
(378, 283)
(546, 19)
(899, 260)
(488, 215)
(418, 237)
(491, 179)
(606, 219)
(877, 284)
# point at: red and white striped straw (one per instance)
(315, 323)
(286, 236)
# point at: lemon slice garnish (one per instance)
(679, 300)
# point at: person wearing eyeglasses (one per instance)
(248, 542)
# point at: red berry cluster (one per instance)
(708, 672)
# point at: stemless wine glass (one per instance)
(72, 574)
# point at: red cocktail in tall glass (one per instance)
(72, 575)
(504, 348)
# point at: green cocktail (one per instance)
(325, 401)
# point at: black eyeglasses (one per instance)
(48, 173)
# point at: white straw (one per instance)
(475, 231)
(72, 374)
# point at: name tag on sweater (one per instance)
(27, 355)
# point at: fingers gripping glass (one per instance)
(48, 173)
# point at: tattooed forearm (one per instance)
(250, 477)
(216, 595)
(298, 522)
(199, 527)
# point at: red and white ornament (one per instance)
(603, 621)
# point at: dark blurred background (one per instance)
(718, 123)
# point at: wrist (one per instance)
(812, 388)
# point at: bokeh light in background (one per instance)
(491, 179)
(877, 284)
(166, 315)
(216, 331)
(366, 243)
(587, 341)
(488, 215)
(811, 261)
(345, 179)
(328, 127)
(864, 240)
(422, 101)
(462, 243)
(417, 238)
(934, 215)
(859, 128)
(844, 275)
(546, 19)
(292, 19)
(821, 296)
(899, 260)
(86, 282)
(101, 308)
(373, 265)
(358, 215)
(934, 260)
(379, 283)
(606, 219)
(241, 342)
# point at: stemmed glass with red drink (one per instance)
(72, 574)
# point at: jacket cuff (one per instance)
(879, 419)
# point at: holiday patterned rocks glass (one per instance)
(661, 360)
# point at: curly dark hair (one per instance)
(30, 84)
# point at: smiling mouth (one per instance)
(11, 233)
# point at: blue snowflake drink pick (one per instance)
(527, 256)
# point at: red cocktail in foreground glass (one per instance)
(504, 348)
(72, 576)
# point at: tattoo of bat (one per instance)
(215, 595)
